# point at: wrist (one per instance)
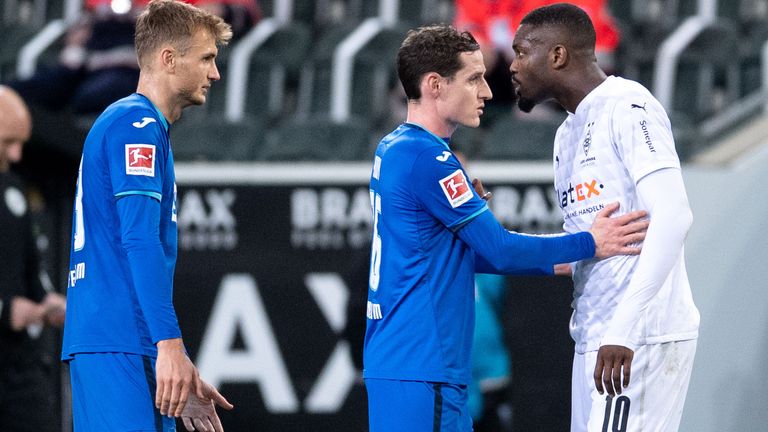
(171, 344)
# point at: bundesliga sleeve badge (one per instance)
(456, 188)
(140, 159)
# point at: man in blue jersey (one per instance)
(432, 232)
(128, 364)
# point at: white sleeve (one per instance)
(662, 194)
(643, 136)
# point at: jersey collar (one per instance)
(157, 110)
(595, 93)
(443, 141)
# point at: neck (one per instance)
(579, 85)
(156, 92)
(425, 114)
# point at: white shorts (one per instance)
(654, 400)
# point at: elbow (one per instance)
(685, 217)
(688, 219)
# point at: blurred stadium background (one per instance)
(274, 215)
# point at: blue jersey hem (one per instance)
(69, 354)
(154, 195)
(417, 376)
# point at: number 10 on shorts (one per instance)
(620, 414)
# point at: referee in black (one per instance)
(27, 401)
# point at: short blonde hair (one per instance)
(175, 22)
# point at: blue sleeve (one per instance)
(507, 252)
(136, 156)
(140, 233)
(483, 266)
(443, 188)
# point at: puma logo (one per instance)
(144, 121)
(638, 106)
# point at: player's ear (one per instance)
(559, 56)
(430, 84)
(168, 58)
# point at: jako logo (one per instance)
(581, 192)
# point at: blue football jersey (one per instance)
(127, 153)
(420, 298)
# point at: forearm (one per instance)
(663, 194)
(483, 266)
(141, 240)
(507, 252)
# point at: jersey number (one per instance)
(620, 414)
(79, 240)
(373, 277)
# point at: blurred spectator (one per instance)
(240, 14)
(493, 24)
(27, 402)
(97, 65)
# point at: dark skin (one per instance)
(549, 64)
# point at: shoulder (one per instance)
(409, 143)
(628, 95)
(130, 114)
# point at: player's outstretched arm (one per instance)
(199, 413)
(615, 235)
(176, 377)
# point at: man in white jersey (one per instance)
(633, 315)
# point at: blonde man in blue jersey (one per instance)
(432, 232)
(129, 367)
(634, 321)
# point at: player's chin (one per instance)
(526, 105)
(472, 122)
(198, 99)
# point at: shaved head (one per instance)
(15, 126)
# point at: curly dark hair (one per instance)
(434, 48)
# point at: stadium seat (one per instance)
(374, 74)
(686, 135)
(317, 139)
(13, 39)
(707, 76)
(274, 70)
(315, 80)
(751, 19)
(520, 139)
(216, 139)
(644, 25)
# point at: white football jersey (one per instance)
(618, 134)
